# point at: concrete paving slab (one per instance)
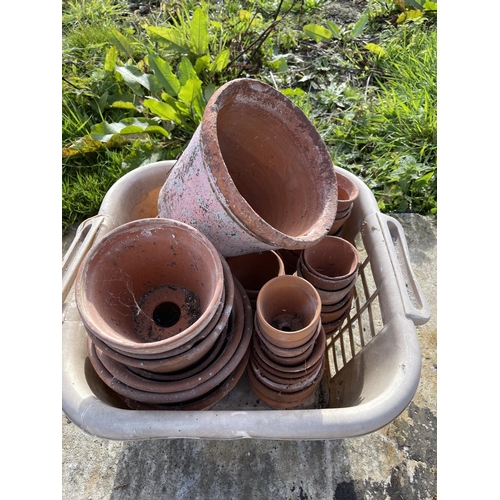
(397, 462)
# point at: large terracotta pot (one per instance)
(255, 176)
(149, 286)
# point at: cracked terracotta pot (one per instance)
(255, 176)
(161, 266)
(288, 310)
(254, 270)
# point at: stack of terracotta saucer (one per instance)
(347, 194)
(287, 359)
(331, 266)
(168, 326)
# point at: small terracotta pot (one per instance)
(339, 222)
(280, 400)
(347, 191)
(289, 258)
(279, 376)
(288, 309)
(285, 385)
(332, 297)
(247, 183)
(329, 298)
(335, 315)
(285, 360)
(332, 327)
(129, 265)
(288, 345)
(317, 352)
(254, 270)
(319, 281)
(325, 309)
(332, 259)
(190, 352)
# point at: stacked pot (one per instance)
(331, 266)
(347, 195)
(254, 270)
(287, 359)
(168, 326)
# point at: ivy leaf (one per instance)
(120, 42)
(164, 74)
(317, 33)
(199, 32)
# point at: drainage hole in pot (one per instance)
(287, 323)
(166, 314)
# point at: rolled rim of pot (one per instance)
(137, 257)
(269, 163)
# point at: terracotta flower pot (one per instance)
(254, 270)
(284, 365)
(289, 258)
(246, 177)
(332, 263)
(285, 385)
(184, 390)
(339, 221)
(332, 297)
(288, 310)
(287, 349)
(319, 281)
(329, 317)
(280, 400)
(325, 308)
(161, 266)
(347, 191)
(333, 326)
(187, 354)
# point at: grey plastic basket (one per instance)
(373, 361)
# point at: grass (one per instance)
(375, 107)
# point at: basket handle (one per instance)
(414, 302)
(81, 244)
